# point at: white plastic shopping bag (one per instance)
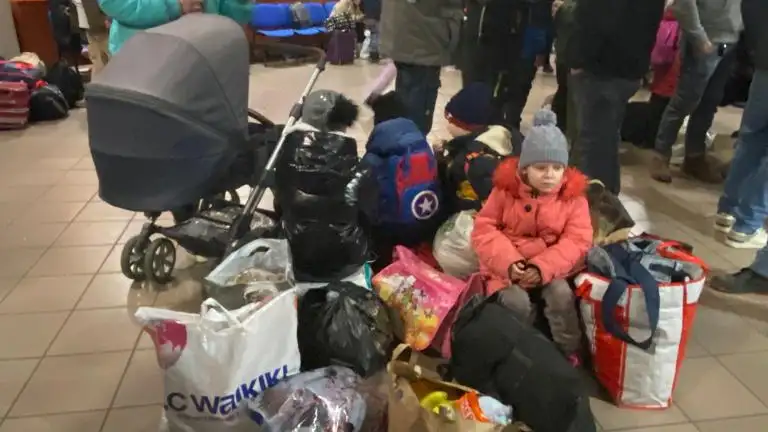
(638, 332)
(453, 248)
(214, 362)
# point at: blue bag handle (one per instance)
(618, 287)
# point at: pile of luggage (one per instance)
(29, 92)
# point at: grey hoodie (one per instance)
(717, 21)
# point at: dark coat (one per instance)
(755, 15)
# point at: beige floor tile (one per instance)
(707, 391)
(694, 349)
(145, 342)
(16, 263)
(92, 233)
(670, 428)
(183, 295)
(80, 177)
(9, 212)
(744, 424)
(52, 211)
(46, 294)
(752, 370)
(111, 265)
(52, 388)
(13, 375)
(100, 212)
(115, 290)
(88, 331)
(612, 417)
(38, 177)
(143, 382)
(134, 228)
(62, 261)
(143, 419)
(28, 335)
(75, 422)
(60, 163)
(21, 234)
(85, 163)
(21, 194)
(723, 332)
(69, 193)
(7, 284)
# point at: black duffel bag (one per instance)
(520, 367)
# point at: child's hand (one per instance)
(531, 277)
(516, 271)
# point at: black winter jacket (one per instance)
(323, 196)
(493, 36)
(614, 38)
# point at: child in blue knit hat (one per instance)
(469, 159)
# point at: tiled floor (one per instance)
(72, 359)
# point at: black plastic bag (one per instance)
(347, 325)
(68, 80)
(47, 103)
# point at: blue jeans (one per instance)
(700, 75)
(760, 265)
(745, 195)
(418, 86)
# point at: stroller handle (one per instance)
(296, 49)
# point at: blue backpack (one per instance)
(406, 170)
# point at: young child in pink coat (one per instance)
(535, 230)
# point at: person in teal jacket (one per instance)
(130, 16)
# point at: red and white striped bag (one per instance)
(638, 333)
(14, 105)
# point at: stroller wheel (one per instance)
(132, 258)
(159, 260)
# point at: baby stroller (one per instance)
(168, 128)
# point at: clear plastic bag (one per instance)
(321, 400)
(255, 272)
(453, 248)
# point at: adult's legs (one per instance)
(743, 207)
(656, 106)
(521, 82)
(418, 86)
(752, 280)
(700, 121)
(560, 100)
(373, 42)
(98, 50)
(695, 70)
(601, 103)
(560, 310)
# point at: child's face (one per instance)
(544, 177)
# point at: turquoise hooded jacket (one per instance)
(130, 16)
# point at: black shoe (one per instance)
(745, 281)
(374, 57)
(547, 68)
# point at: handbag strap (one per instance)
(675, 250)
(618, 287)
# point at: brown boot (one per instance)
(659, 169)
(702, 169)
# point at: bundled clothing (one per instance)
(130, 16)
(323, 194)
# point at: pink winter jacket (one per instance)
(552, 232)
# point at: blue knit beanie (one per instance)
(470, 108)
(544, 142)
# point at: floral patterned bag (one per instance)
(422, 295)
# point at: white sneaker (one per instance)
(738, 240)
(724, 222)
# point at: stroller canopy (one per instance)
(194, 69)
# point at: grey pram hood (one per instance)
(195, 68)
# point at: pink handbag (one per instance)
(421, 294)
(476, 285)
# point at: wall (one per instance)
(9, 45)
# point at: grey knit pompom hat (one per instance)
(545, 142)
